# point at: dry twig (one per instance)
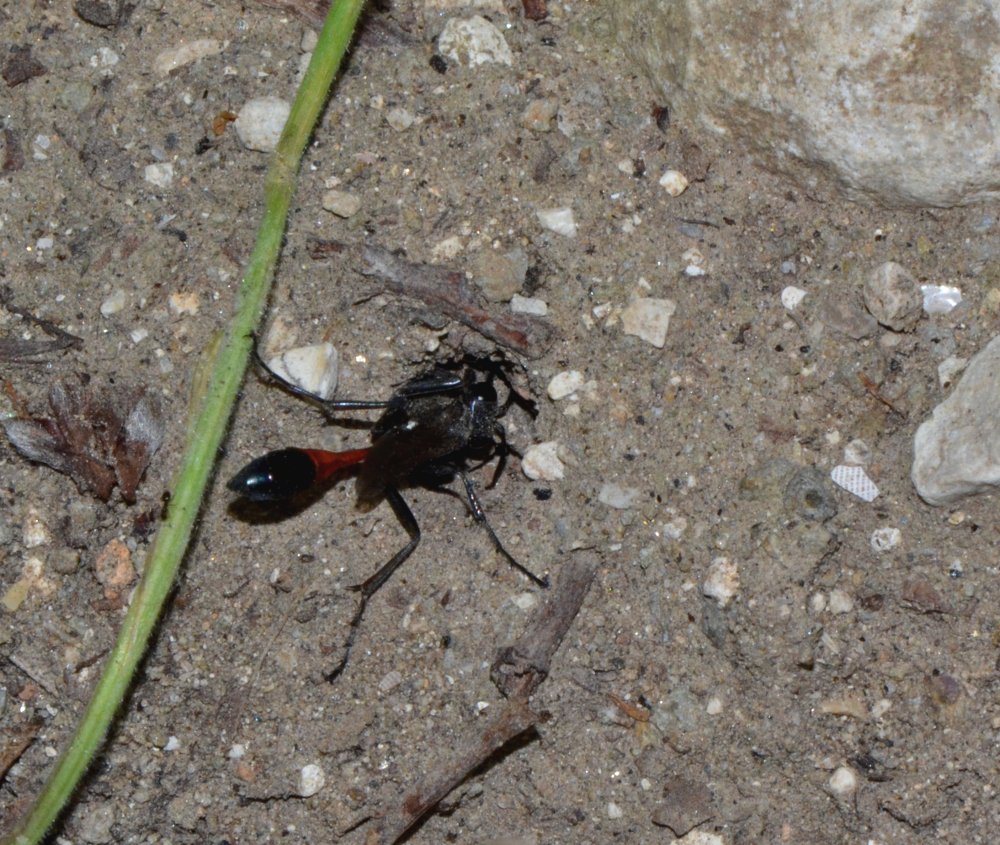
(517, 671)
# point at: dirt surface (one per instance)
(834, 694)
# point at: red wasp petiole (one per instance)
(429, 430)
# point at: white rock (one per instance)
(843, 782)
(674, 182)
(885, 539)
(792, 296)
(956, 453)
(618, 497)
(541, 462)
(260, 123)
(313, 368)
(183, 54)
(856, 481)
(341, 203)
(820, 88)
(473, 41)
(648, 319)
(722, 581)
(399, 118)
(160, 174)
(528, 305)
(841, 601)
(614, 811)
(564, 384)
(558, 220)
(311, 780)
(892, 296)
(113, 304)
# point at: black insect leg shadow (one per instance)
(372, 584)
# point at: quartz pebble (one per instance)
(722, 581)
(312, 368)
(893, 297)
(564, 384)
(473, 41)
(528, 305)
(341, 203)
(541, 462)
(843, 782)
(311, 780)
(618, 497)
(558, 220)
(940, 299)
(260, 123)
(399, 119)
(840, 601)
(648, 319)
(674, 182)
(113, 304)
(885, 539)
(160, 174)
(791, 297)
(184, 54)
(854, 480)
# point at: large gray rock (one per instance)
(896, 100)
(956, 452)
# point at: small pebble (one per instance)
(843, 782)
(674, 182)
(399, 119)
(184, 303)
(525, 601)
(618, 497)
(949, 369)
(722, 581)
(857, 453)
(311, 780)
(714, 706)
(885, 539)
(539, 114)
(841, 601)
(614, 811)
(940, 299)
(34, 531)
(260, 123)
(528, 305)
(313, 368)
(558, 220)
(855, 480)
(172, 743)
(473, 41)
(184, 54)
(564, 384)
(390, 681)
(892, 296)
(500, 275)
(541, 462)
(160, 174)
(113, 304)
(648, 319)
(341, 203)
(791, 297)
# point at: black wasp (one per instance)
(436, 427)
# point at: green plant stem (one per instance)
(205, 438)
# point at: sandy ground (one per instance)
(834, 694)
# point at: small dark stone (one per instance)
(809, 495)
(106, 13)
(21, 66)
(439, 63)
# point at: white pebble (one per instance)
(558, 220)
(841, 601)
(541, 462)
(528, 305)
(237, 751)
(390, 680)
(885, 539)
(614, 811)
(618, 497)
(172, 744)
(856, 481)
(311, 780)
(714, 706)
(341, 203)
(722, 581)
(34, 531)
(183, 54)
(399, 119)
(843, 782)
(564, 384)
(45, 243)
(113, 304)
(260, 123)
(525, 601)
(675, 182)
(648, 319)
(474, 41)
(880, 708)
(312, 368)
(791, 297)
(940, 299)
(857, 453)
(160, 174)
(949, 368)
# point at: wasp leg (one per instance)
(480, 516)
(371, 585)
